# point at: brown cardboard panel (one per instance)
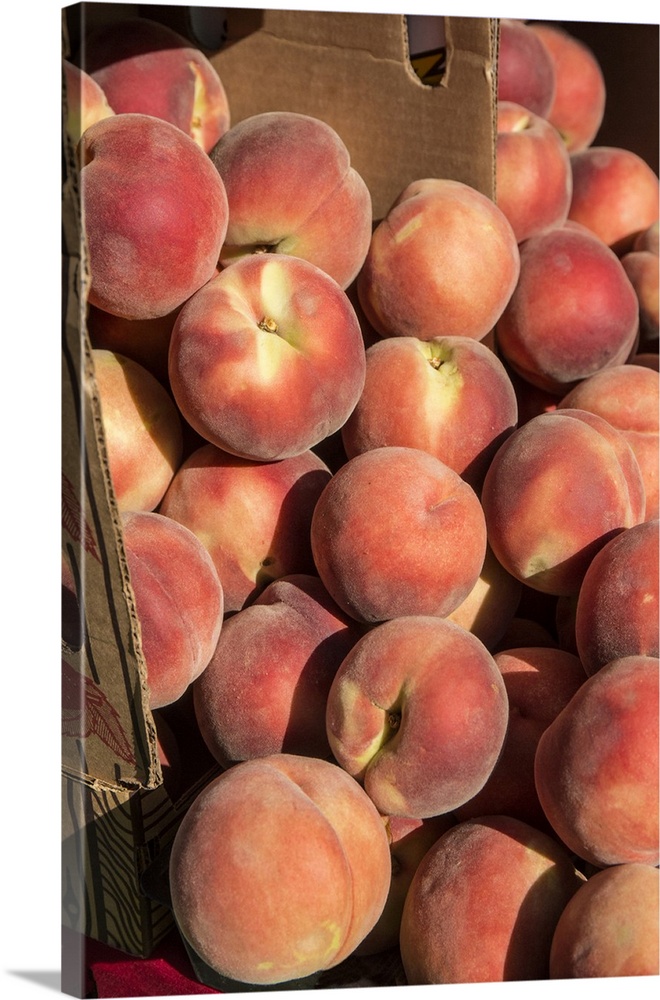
(353, 70)
(107, 731)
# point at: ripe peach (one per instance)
(617, 613)
(244, 707)
(253, 517)
(267, 359)
(648, 239)
(615, 193)
(596, 765)
(628, 396)
(86, 102)
(539, 682)
(410, 839)
(279, 869)
(643, 270)
(610, 926)
(147, 67)
(142, 430)
(525, 68)
(292, 190)
(443, 262)
(386, 531)
(416, 682)
(533, 171)
(490, 607)
(449, 396)
(155, 215)
(557, 490)
(484, 903)
(178, 601)
(578, 106)
(554, 340)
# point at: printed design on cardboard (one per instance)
(87, 712)
(73, 519)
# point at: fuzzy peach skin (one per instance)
(178, 600)
(615, 193)
(539, 682)
(578, 106)
(610, 926)
(628, 396)
(267, 359)
(449, 396)
(484, 903)
(648, 239)
(418, 712)
(490, 607)
(151, 69)
(292, 190)
(265, 688)
(617, 609)
(443, 262)
(574, 311)
(643, 270)
(556, 492)
(525, 68)
(142, 430)
(154, 215)
(86, 102)
(533, 171)
(386, 531)
(596, 765)
(279, 869)
(253, 517)
(410, 839)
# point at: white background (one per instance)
(30, 485)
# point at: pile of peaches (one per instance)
(389, 494)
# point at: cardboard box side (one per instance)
(107, 729)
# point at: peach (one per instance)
(647, 359)
(484, 903)
(525, 68)
(146, 67)
(449, 396)
(628, 396)
(267, 359)
(178, 601)
(539, 682)
(489, 609)
(617, 613)
(279, 869)
(142, 430)
(533, 171)
(410, 839)
(574, 311)
(578, 106)
(615, 193)
(648, 239)
(154, 214)
(245, 708)
(642, 268)
(557, 490)
(386, 530)
(86, 102)
(443, 262)
(610, 926)
(253, 517)
(596, 766)
(292, 190)
(418, 682)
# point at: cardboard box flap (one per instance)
(107, 729)
(354, 71)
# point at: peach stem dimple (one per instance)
(268, 325)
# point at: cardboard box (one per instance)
(353, 70)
